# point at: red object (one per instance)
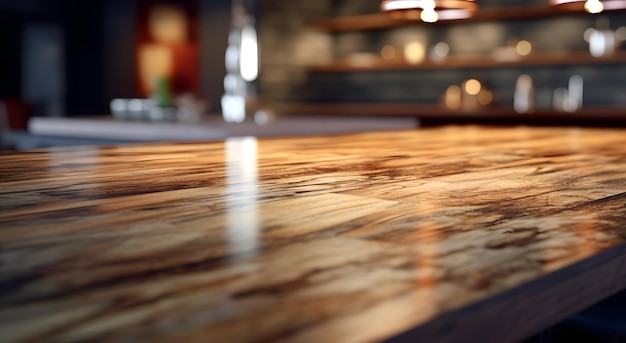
(186, 69)
(17, 112)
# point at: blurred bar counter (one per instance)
(63, 131)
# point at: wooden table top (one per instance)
(443, 234)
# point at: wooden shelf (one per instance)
(457, 62)
(436, 113)
(378, 21)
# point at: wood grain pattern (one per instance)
(419, 235)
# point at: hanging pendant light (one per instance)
(591, 6)
(429, 11)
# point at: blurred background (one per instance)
(141, 62)
(70, 57)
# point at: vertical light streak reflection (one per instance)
(587, 232)
(242, 220)
(427, 264)
(249, 59)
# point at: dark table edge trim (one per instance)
(516, 308)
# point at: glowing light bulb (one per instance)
(472, 87)
(429, 15)
(593, 6)
(523, 47)
(414, 52)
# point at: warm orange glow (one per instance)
(155, 61)
(166, 46)
(414, 52)
(167, 24)
(485, 97)
(472, 87)
(523, 48)
(452, 97)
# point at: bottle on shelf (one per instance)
(524, 96)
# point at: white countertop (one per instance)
(213, 128)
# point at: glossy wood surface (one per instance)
(445, 234)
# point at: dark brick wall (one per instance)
(603, 85)
(288, 46)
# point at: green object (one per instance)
(162, 94)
